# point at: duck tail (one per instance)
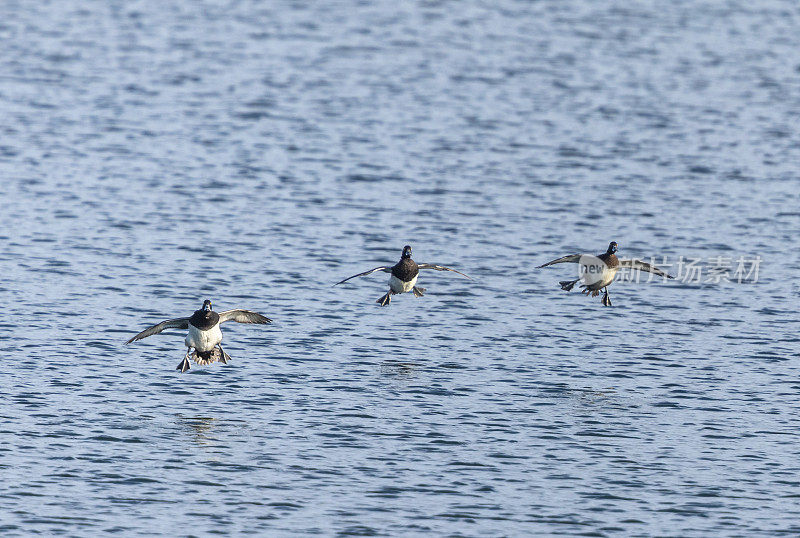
(204, 358)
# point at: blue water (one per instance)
(155, 154)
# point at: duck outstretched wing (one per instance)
(243, 316)
(440, 268)
(644, 266)
(178, 323)
(573, 258)
(365, 273)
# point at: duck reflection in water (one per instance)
(200, 428)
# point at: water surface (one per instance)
(157, 154)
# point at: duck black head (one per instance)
(206, 306)
(612, 247)
(406, 252)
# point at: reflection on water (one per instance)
(398, 368)
(199, 428)
(594, 396)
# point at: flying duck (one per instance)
(598, 276)
(404, 276)
(204, 333)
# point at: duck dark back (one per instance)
(204, 320)
(406, 269)
(610, 260)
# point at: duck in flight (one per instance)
(403, 276)
(204, 334)
(604, 273)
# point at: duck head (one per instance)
(406, 252)
(206, 306)
(612, 247)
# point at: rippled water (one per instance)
(154, 154)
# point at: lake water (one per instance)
(155, 154)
